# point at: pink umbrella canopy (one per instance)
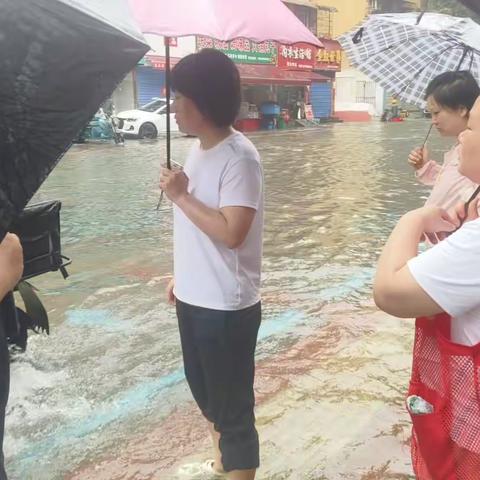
(257, 20)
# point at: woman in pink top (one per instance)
(450, 97)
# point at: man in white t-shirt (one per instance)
(218, 228)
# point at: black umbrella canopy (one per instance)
(60, 60)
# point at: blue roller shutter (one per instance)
(321, 99)
(150, 84)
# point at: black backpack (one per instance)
(38, 228)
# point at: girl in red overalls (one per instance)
(441, 288)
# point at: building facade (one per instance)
(356, 96)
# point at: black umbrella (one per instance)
(60, 60)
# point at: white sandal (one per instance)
(200, 470)
(209, 466)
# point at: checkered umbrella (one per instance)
(404, 52)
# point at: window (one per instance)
(153, 106)
(373, 5)
(325, 21)
(307, 15)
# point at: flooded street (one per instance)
(104, 398)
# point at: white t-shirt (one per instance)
(450, 274)
(207, 273)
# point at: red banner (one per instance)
(300, 56)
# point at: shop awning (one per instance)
(272, 75)
(330, 45)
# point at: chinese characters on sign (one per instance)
(329, 59)
(242, 50)
(300, 56)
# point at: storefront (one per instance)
(263, 84)
(150, 78)
(327, 63)
(297, 80)
(290, 90)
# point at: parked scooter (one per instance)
(101, 127)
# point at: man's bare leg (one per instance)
(218, 466)
(241, 475)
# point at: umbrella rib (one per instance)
(412, 38)
(458, 42)
(384, 37)
(450, 47)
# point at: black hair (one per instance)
(454, 90)
(212, 81)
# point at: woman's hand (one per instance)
(418, 157)
(437, 224)
(169, 290)
(174, 183)
(11, 263)
(471, 214)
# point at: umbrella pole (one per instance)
(427, 137)
(168, 96)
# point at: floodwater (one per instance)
(104, 397)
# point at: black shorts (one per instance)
(219, 358)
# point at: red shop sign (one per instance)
(172, 41)
(300, 56)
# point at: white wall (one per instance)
(124, 96)
(350, 86)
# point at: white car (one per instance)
(147, 121)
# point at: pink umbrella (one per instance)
(257, 20)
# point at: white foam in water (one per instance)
(28, 404)
(119, 288)
(26, 379)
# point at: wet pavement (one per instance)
(104, 396)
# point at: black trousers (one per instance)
(219, 358)
(4, 389)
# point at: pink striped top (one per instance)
(449, 186)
